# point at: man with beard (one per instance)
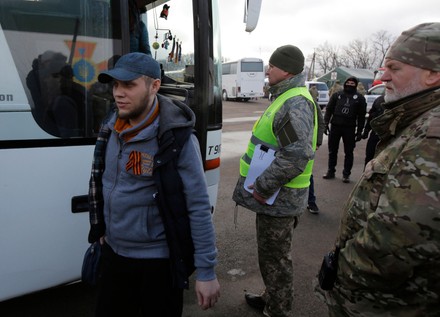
(149, 203)
(389, 236)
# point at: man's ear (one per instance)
(156, 85)
(432, 79)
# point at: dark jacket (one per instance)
(173, 209)
(375, 111)
(346, 109)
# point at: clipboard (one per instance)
(261, 159)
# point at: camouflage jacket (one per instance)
(389, 264)
(290, 160)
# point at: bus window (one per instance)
(59, 102)
(251, 66)
(57, 49)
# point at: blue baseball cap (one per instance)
(130, 67)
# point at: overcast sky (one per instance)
(310, 23)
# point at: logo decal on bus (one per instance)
(85, 71)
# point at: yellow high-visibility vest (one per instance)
(262, 133)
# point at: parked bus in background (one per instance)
(51, 107)
(243, 79)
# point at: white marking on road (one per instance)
(240, 119)
(239, 272)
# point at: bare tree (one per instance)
(326, 57)
(368, 53)
(381, 42)
(357, 54)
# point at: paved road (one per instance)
(238, 266)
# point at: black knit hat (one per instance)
(288, 58)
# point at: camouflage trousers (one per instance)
(274, 239)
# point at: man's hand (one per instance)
(326, 130)
(208, 293)
(358, 137)
(365, 134)
(257, 197)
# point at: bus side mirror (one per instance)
(251, 14)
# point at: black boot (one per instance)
(255, 301)
(329, 175)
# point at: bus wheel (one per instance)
(224, 95)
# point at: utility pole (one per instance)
(312, 67)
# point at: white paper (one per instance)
(260, 161)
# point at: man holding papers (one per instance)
(287, 130)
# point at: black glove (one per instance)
(358, 137)
(326, 130)
(365, 134)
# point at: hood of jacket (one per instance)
(174, 114)
(352, 78)
(351, 90)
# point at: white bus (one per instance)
(243, 79)
(51, 106)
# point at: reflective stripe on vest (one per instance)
(262, 133)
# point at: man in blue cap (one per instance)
(149, 205)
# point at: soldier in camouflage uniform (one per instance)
(336, 87)
(314, 92)
(293, 131)
(389, 262)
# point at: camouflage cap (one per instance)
(418, 46)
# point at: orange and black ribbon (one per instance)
(134, 162)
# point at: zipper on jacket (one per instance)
(121, 145)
